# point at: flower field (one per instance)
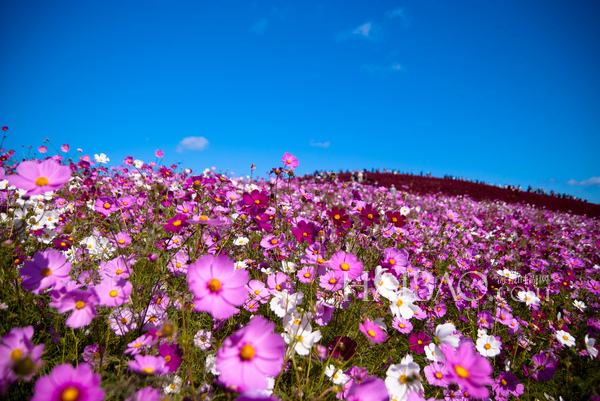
(144, 281)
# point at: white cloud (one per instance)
(592, 181)
(364, 30)
(260, 26)
(192, 143)
(320, 144)
(400, 15)
(384, 69)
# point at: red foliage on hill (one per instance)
(478, 191)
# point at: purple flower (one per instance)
(373, 331)
(148, 365)
(39, 177)
(251, 355)
(418, 341)
(68, 383)
(217, 287)
(19, 357)
(468, 369)
(371, 389)
(48, 269)
(506, 385)
(172, 355)
(146, 394)
(305, 232)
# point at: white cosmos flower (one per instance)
(241, 241)
(202, 339)
(138, 163)
(509, 274)
(590, 346)
(283, 302)
(288, 267)
(529, 297)
(565, 338)
(444, 334)
(387, 286)
(403, 378)
(101, 158)
(488, 346)
(402, 305)
(579, 305)
(302, 340)
(174, 387)
(336, 375)
(404, 211)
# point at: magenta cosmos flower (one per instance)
(148, 365)
(48, 269)
(371, 389)
(290, 161)
(217, 286)
(468, 369)
(373, 331)
(68, 383)
(251, 355)
(39, 177)
(346, 263)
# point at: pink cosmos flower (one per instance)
(39, 177)
(373, 331)
(159, 153)
(217, 286)
(122, 239)
(468, 369)
(290, 161)
(48, 269)
(148, 365)
(346, 263)
(117, 268)
(19, 357)
(176, 223)
(68, 383)
(172, 355)
(65, 147)
(146, 394)
(113, 292)
(43, 149)
(435, 374)
(404, 326)
(418, 341)
(331, 281)
(106, 205)
(81, 304)
(371, 389)
(251, 355)
(306, 274)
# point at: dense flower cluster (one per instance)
(144, 282)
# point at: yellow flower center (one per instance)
(307, 275)
(79, 305)
(420, 342)
(371, 332)
(247, 352)
(403, 379)
(113, 293)
(119, 271)
(399, 302)
(337, 216)
(257, 201)
(121, 241)
(332, 280)
(257, 292)
(46, 271)
(402, 325)
(345, 266)
(177, 223)
(41, 181)
(438, 375)
(566, 338)
(16, 354)
(370, 216)
(204, 217)
(106, 205)
(273, 241)
(214, 285)
(71, 393)
(487, 346)
(392, 261)
(278, 287)
(461, 371)
(504, 382)
(167, 358)
(148, 370)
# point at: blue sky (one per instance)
(503, 91)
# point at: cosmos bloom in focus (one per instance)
(468, 369)
(290, 161)
(251, 355)
(374, 331)
(218, 287)
(48, 269)
(39, 177)
(344, 263)
(68, 383)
